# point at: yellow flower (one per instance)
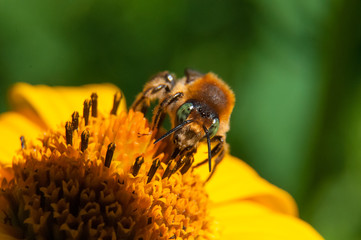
(88, 178)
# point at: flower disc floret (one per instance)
(89, 179)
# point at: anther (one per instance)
(94, 99)
(109, 155)
(116, 102)
(23, 142)
(84, 140)
(69, 133)
(169, 169)
(153, 169)
(86, 110)
(143, 134)
(187, 165)
(137, 164)
(75, 120)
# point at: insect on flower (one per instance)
(199, 107)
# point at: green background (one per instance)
(293, 65)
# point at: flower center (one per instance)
(97, 176)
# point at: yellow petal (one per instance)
(235, 180)
(12, 126)
(250, 220)
(54, 105)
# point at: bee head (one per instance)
(202, 115)
(197, 121)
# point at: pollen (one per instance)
(99, 176)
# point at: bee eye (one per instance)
(214, 127)
(184, 111)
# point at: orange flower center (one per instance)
(97, 177)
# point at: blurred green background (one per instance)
(295, 67)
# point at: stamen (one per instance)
(143, 134)
(69, 133)
(75, 120)
(23, 142)
(86, 110)
(125, 194)
(109, 155)
(94, 98)
(84, 140)
(153, 169)
(169, 169)
(116, 102)
(138, 163)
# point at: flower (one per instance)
(88, 177)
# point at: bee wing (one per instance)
(192, 75)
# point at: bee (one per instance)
(199, 106)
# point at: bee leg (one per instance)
(155, 89)
(218, 159)
(215, 150)
(217, 153)
(160, 110)
(175, 153)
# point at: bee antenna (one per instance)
(209, 148)
(173, 130)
